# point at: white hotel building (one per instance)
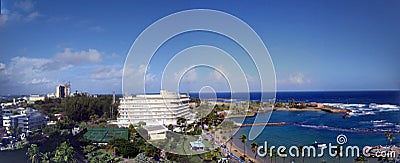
(26, 119)
(153, 109)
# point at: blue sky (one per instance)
(314, 45)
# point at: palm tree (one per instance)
(208, 156)
(64, 153)
(389, 137)
(361, 158)
(243, 139)
(216, 152)
(132, 130)
(33, 153)
(181, 121)
(46, 157)
(170, 127)
(254, 147)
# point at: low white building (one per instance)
(33, 98)
(25, 119)
(156, 132)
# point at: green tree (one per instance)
(216, 152)
(132, 130)
(126, 148)
(64, 153)
(360, 158)
(89, 149)
(208, 156)
(170, 127)
(151, 151)
(243, 139)
(254, 147)
(181, 120)
(46, 157)
(292, 103)
(33, 153)
(93, 118)
(389, 137)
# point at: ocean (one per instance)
(373, 114)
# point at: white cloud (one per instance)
(3, 19)
(23, 11)
(189, 76)
(219, 75)
(2, 66)
(216, 75)
(298, 78)
(21, 73)
(25, 6)
(104, 72)
(78, 57)
(137, 76)
(37, 75)
(37, 81)
(113, 55)
(32, 16)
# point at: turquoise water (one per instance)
(306, 127)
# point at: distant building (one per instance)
(51, 95)
(33, 98)
(60, 91)
(153, 109)
(63, 91)
(26, 119)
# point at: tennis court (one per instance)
(103, 135)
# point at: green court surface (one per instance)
(103, 135)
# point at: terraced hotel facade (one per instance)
(153, 109)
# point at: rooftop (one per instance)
(197, 144)
(154, 128)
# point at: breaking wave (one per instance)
(365, 109)
(365, 130)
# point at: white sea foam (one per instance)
(387, 124)
(386, 106)
(365, 109)
(350, 129)
(378, 121)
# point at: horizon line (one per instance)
(327, 90)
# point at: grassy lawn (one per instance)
(180, 144)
